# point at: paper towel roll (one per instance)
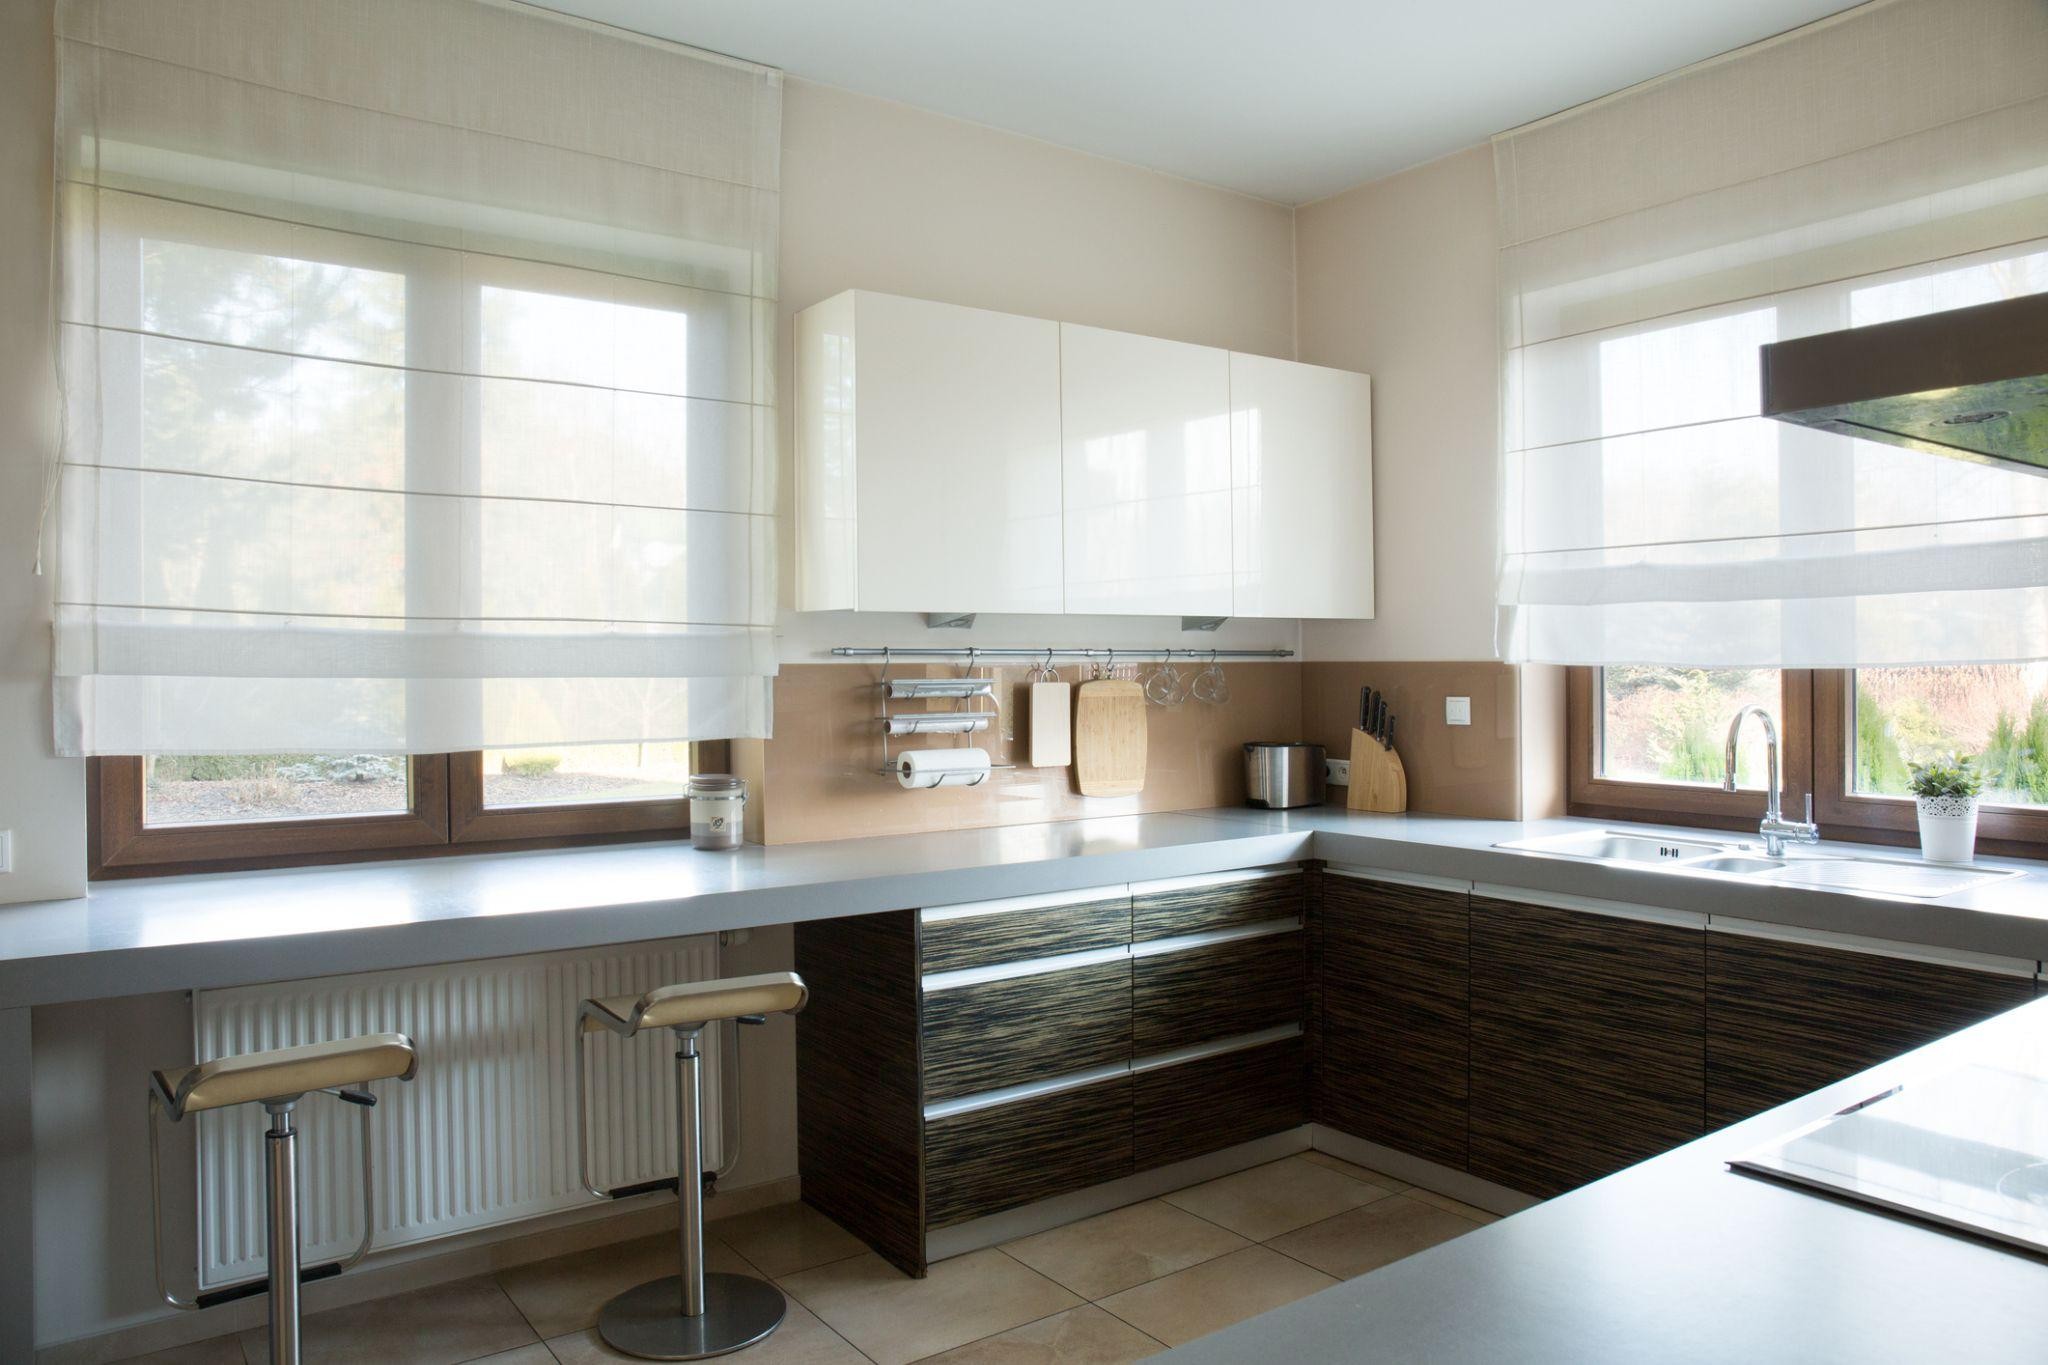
(922, 769)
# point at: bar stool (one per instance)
(691, 1315)
(277, 1080)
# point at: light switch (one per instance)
(6, 850)
(1457, 710)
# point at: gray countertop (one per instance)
(131, 937)
(1680, 1259)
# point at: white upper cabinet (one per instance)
(1146, 430)
(1301, 478)
(928, 458)
(956, 460)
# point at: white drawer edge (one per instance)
(1034, 966)
(940, 914)
(1219, 1047)
(1181, 943)
(2024, 968)
(1245, 874)
(1455, 885)
(1030, 1090)
(1648, 914)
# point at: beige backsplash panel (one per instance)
(816, 779)
(1468, 770)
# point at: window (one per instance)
(1647, 743)
(190, 812)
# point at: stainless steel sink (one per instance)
(1895, 877)
(1741, 864)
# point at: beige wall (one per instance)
(1396, 278)
(42, 798)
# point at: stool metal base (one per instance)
(648, 1321)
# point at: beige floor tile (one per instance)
(1080, 1336)
(801, 1340)
(442, 1324)
(1356, 1171)
(213, 1351)
(1367, 1238)
(787, 1238)
(1211, 1296)
(895, 1319)
(1450, 1205)
(536, 1354)
(563, 1295)
(1278, 1197)
(1112, 1251)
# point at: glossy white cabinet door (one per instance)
(1146, 433)
(956, 419)
(1301, 481)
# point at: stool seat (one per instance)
(695, 1002)
(286, 1071)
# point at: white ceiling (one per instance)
(1290, 100)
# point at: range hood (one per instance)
(1969, 384)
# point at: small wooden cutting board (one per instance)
(1109, 737)
(1052, 725)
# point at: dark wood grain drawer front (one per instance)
(1787, 1018)
(1027, 1028)
(1395, 1029)
(1196, 905)
(1195, 995)
(1588, 1043)
(992, 1159)
(984, 937)
(1216, 1102)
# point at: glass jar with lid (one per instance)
(717, 810)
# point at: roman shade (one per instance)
(416, 367)
(1888, 162)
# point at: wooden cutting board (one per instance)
(1378, 780)
(1109, 737)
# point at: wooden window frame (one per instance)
(446, 815)
(1589, 794)
(2008, 830)
(1815, 738)
(120, 843)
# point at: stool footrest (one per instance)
(249, 1289)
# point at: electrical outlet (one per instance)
(1457, 710)
(1337, 772)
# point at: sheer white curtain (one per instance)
(1889, 162)
(415, 358)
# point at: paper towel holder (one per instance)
(961, 720)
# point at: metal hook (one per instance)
(1048, 672)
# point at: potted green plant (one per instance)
(1946, 790)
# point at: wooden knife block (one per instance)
(1378, 781)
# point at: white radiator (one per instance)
(484, 1134)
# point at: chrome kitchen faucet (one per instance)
(1775, 828)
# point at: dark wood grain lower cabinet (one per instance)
(1194, 905)
(1588, 1043)
(1784, 1019)
(1394, 1022)
(1192, 1108)
(1198, 995)
(988, 1160)
(860, 1109)
(951, 940)
(999, 1033)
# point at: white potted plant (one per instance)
(1945, 790)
